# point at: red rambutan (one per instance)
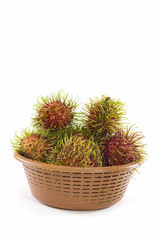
(32, 146)
(122, 148)
(54, 112)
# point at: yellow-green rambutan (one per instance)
(123, 147)
(103, 116)
(76, 151)
(32, 145)
(54, 112)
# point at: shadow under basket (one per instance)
(77, 188)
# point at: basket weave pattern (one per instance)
(76, 188)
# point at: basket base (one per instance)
(78, 206)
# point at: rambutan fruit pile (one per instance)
(95, 137)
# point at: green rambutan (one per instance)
(123, 148)
(76, 151)
(32, 145)
(102, 117)
(58, 135)
(54, 112)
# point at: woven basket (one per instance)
(77, 188)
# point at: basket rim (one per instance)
(52, 167)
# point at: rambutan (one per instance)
(33, 146)
(102, 117)
(123, 147)
(76, 151)
(54, 112)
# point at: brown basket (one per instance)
(77, 188)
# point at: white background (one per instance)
(87, 48)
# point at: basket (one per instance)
(77, 188)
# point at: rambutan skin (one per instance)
(77, 151)
(123, 148)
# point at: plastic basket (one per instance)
(77, 188)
